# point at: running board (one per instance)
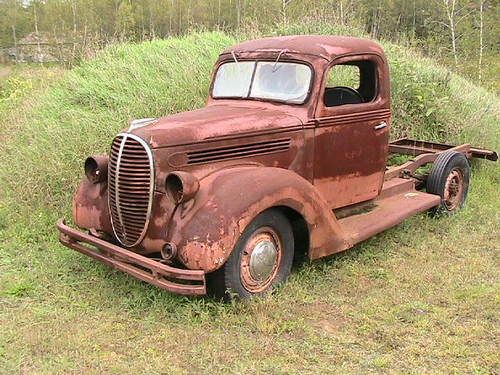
(389, 212)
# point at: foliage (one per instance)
(12, 89)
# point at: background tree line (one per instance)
(460, 33)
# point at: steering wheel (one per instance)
(340, 95)
(352, 91)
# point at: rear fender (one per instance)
(206, 228)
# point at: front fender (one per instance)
(206, 229)
(90, 206)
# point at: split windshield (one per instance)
(281, 81)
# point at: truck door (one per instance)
(352, 130)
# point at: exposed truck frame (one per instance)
(226, 196)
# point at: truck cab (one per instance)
(288, 158)
(339, 89)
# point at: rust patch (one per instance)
(264, 188)
(90, 206)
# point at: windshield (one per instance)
(283, 81)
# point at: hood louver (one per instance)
(230, 152)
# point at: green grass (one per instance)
(419, 298)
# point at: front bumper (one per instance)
(176, 280)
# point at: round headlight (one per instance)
(181, 186)
(96, 168)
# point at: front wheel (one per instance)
(261, 259)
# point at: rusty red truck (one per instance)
(288, 158)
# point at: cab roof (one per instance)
(325, 46)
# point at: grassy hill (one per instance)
(422, 297)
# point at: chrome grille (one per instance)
(130, 184)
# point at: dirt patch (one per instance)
(5, 72)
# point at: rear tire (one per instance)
(261, 259)
(449, 178)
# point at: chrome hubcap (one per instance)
(262, 260)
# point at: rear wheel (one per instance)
(261, 259)
(449, 178)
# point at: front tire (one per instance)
(261, 259)
(449, 178)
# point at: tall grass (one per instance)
(42, 156)
(43, 151)
(45, 140)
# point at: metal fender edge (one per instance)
(206, 229)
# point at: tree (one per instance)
(481, 42)
(125, 22)
(284, 5)
(449, 6)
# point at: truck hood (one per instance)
(212, 122)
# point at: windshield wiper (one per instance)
(234, 57)
(278, 58)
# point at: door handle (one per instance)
(380, 126)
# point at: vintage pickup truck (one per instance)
(288, 159)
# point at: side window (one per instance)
(354, 82)
(343, 75)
